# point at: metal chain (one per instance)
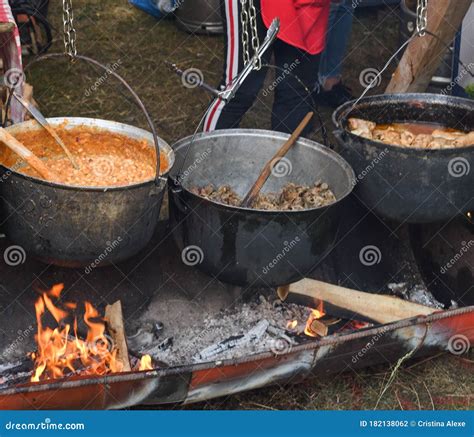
(248, 18)
(421, 17)
(255, 40)
(69, 31)
(244, 19)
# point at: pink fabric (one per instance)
(10, 52)
(303, 22)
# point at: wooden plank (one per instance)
(423, 55)
(114, 318)
(377, 307)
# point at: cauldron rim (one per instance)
(123, 128)
(349, 171)
(342, 111)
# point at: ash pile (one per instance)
(261, 325)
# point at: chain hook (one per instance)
(69, 31)
(421, 17)
(248, 18)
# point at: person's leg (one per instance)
(226, 116)
(337, 38)
(331, 90)
(292, 101)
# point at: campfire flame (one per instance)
(292, 324)
(61, 352)
(145, 363)
(316, 314)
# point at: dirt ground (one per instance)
(136, 46)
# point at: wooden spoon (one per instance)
(41, 119)
(13, 144)
(264, 175)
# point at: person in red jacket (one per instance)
(296, 52)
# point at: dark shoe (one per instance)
(338, 95)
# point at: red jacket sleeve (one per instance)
(315, 3)
(303, 23)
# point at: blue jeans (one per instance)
(337, 37)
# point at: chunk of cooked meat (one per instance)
(360, 127)
(465, 140)
(447, 135)
(399, 135)
(223, 194)
(389, 136)
(292, 197)
(422, 141)
(406, 138)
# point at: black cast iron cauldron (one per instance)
(244, 246)
(80, 226)
(408, 184)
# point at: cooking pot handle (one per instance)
(177, 189)
(159, 180)
(340, 135)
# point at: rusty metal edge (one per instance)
(327, 341)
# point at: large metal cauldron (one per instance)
(249, 247)
(78, 226)
(408, 184)
(200, 16)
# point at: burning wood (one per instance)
(380, 308)
(314, 326)
(114, 318)
(61, 352)
(283, 291)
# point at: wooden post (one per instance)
(424, 54)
